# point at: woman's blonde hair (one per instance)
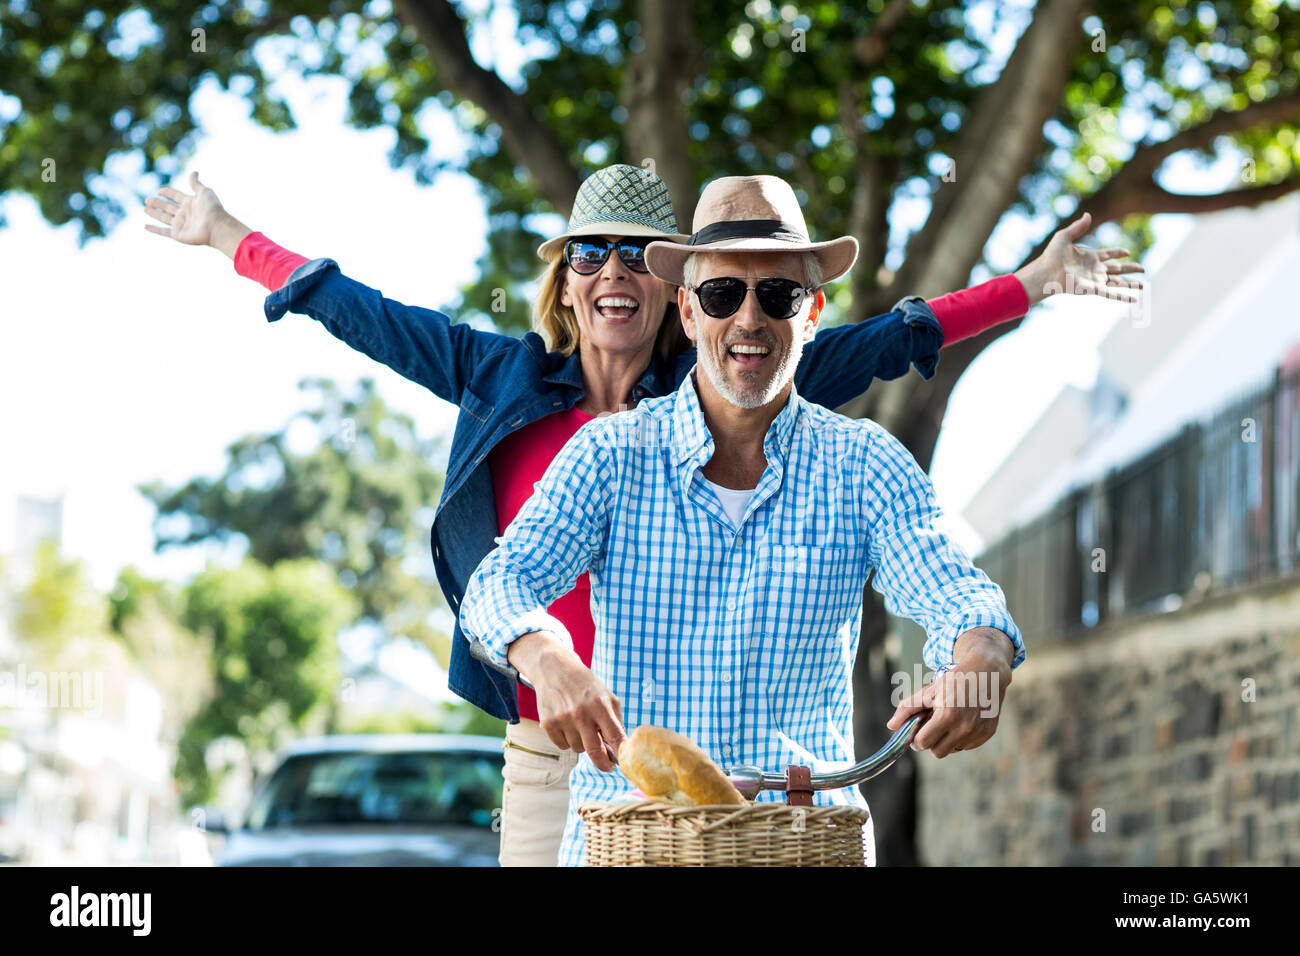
(558, 325)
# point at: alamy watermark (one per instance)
(963, 689)
(23, 689)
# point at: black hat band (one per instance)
(748, 229)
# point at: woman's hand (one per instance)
(198, 220)
(1065, 267)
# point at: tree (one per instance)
(57, 606)
(870, 107)
(98, 644)
(272, 635)
(359, 500)
(330, 510)
(146, 617)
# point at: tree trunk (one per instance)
(996, 148)
(892, 795)
(654, 82)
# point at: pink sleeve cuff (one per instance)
(264, 261)
(971, 311)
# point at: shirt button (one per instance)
(731, 605)
(726, 749)
(726, 678)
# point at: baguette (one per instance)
(669, 767)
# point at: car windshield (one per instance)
(368, 788)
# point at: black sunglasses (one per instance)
(586, 256)
(779, 298)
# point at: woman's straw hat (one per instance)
(618, 201)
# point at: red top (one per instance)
(260, 259)
(517, 464)
(971, 311)
(519, 459)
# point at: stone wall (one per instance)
(1133, 745)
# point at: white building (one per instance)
(1220, 317)
(84, 775)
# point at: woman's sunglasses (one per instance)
(587, 256)
(779, 298)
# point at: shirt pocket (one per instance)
(808, 593)
(807, 590)
(475, 407)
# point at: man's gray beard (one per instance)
(784, 372)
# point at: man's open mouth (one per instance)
(748, 356)
(617, 306)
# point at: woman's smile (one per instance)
(616, 307)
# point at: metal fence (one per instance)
(1213, 508)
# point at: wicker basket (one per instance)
(651, 833)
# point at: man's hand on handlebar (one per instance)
(965, 702)
(578, 712)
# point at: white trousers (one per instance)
(535, 799)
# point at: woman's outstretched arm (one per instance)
(1063, 267)
(422, 345)
(841, 362)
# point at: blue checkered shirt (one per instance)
(741, 638)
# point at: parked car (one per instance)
(373, 800)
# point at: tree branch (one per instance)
(1133, 189)
(525, 136)
(1148, 157)
(1158, 200)
(996, 149)
(869, 49)
(1150, 199)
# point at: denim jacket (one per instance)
(502, 383)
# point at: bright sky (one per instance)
(137, 358)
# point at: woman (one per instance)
(609, 337)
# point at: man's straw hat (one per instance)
(749, 214)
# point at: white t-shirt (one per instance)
(733, 501)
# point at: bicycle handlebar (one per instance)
(751, 780)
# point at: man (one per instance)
(729, 530)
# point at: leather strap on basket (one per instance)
(798, 786)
